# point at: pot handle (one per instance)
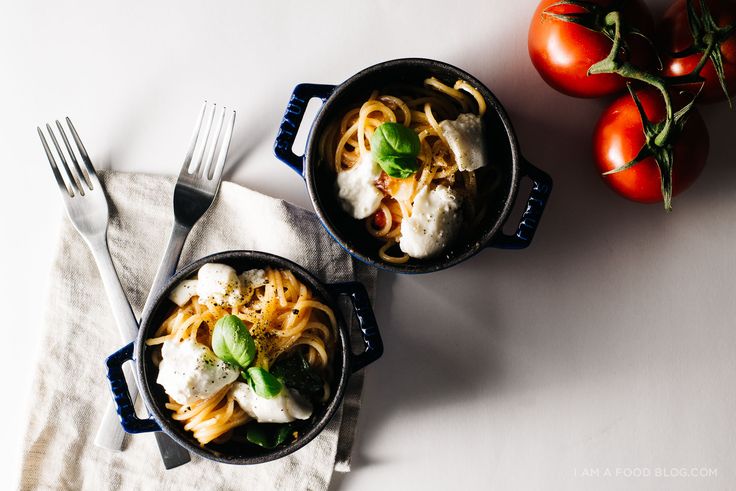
(292, 119)
(125, 407)
(366, 321)
(538, 197)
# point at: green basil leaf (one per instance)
(263, 383)
(400, 167)
(395, 139)
(232, 342)
(395, 147)
(294, 372)
(268, 435)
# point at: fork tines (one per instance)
(200, 160)
(78, 179)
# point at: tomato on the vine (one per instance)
(674, 35)
(562, 52)
(619, 136)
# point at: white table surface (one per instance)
(605, 348)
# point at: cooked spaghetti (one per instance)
(283, 318)
(429, 111)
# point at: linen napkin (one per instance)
(71, 391)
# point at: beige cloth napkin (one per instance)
(71, 390)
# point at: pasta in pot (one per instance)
(283, 319)
(447, 121)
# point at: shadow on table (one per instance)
(432, 351)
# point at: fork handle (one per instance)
(170, 260)
(110, 434)
(172, 454)
(124, 317)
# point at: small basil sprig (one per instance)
(395, 147)
(232, 342)
(268, 435)
(295, 372)
(263, 383)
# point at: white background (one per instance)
(607, 346)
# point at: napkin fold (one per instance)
(70, 389)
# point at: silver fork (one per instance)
(196, 189)
(86, 205)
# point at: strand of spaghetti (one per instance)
(294, 333)
(425, 153)
(371, 124)
(223, 411)
(290, 317)
(433, 122)
(201, 426)
(159, 340)
(315, 344)
(323, 329)
(292, 285)
(230, 408)
(269, 300)
(324, 308)
(166, 326)
(186, 413)
(463, 85)
(349, 118)
(375, 105)
(388, 258)
(181, 329)
(209, 434)
(292, 330)
(401, 105)
(247, 316)
(405, 210)
(366, 109)
(419, 117)
(455, 94)
(425, 178)
(205, 412)
(279, 287)
(341, 145)
(194, 408)
(194, 328)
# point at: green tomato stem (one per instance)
(611, 64)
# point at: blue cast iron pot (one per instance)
(345, 362)
(505, 156)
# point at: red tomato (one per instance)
(674, 35)
(562, 52)
(619, 136)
